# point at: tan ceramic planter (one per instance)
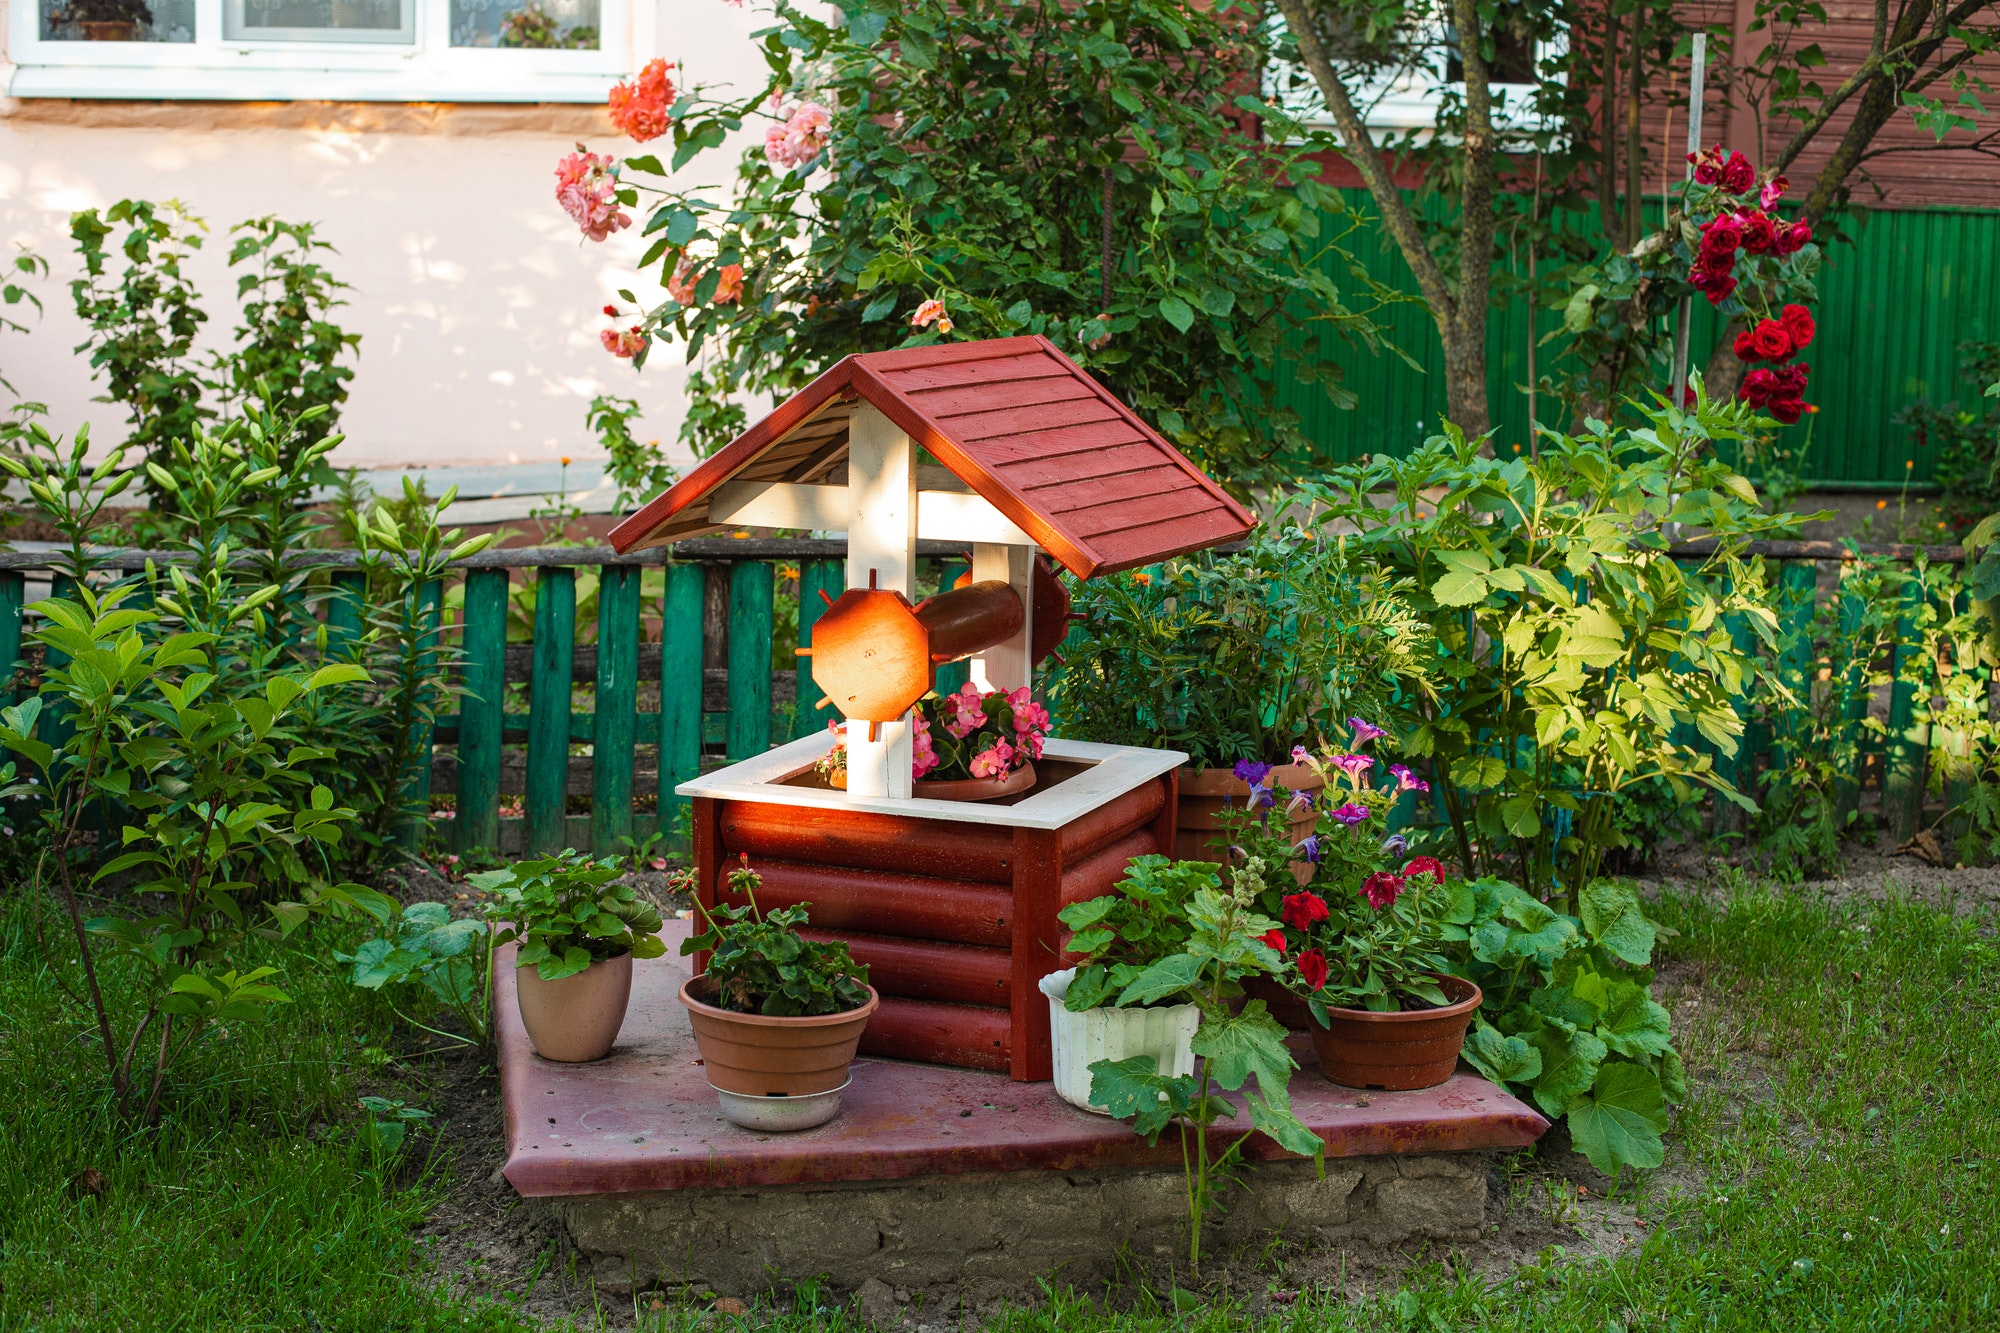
(1205, 792)
(1396, 1052)
(576, 1019)
(760, 1056)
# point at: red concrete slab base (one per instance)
(644, 1118)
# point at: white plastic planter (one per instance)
(1166, 1033)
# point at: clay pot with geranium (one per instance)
(578, 931)
(1363, 927)
(777, 1017)
(970, 745)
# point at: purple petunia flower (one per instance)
(1261, 797)
(1351, 814)
(1310, 846)
(1300, 754)
(1395, 845)
(1406, 780)
(1252, 772)
(1356, 766)
(1365, 731)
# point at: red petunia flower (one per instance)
(1302, 910)
(1312, 969)
(1425, 865)
(1274, 940)
(1381, 889)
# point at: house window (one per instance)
(339, 50)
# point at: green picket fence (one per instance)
(559, 742)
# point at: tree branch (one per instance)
(1397, 215)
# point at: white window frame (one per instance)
(1407, 101)
(427, 69)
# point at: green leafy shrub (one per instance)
(143, 724)
(1079, 171)
(1122, 936)
(566, 913)
(638, 466)
(760, 964)
(1966, 437)
(1568, 1016)
(1239, 657)
(1578, 658)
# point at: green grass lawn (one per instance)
(1845, 1134)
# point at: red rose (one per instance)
(1746, 347)
(1707, 166)
(1382, 889)
(1274, 940)
(1794, 238)
(1759, 387)
(1787, 410)
(1715, 284)
(1722, 237)
(1760, 234)
(1792, 380)
(1737, 174)
(1303, 909)
(1425, 865)
(1799, 326)
(1772, 340)
(1312, 969)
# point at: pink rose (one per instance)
(586, 187)
(729, 285)
(800, 138)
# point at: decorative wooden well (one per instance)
(953, 905)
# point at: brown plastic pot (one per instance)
(761, 1056)
(576, 1019)
(1417, 1048)
(1205, 792)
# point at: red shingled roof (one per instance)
(1014, 419)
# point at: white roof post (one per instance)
(881, 553)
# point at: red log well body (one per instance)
(956, 921)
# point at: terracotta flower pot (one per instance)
(959, 789)
(1206, 791)
(1396, 1052)
(576, 1019)
(756, 1055)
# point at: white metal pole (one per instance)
(1685, 315)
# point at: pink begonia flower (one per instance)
(586, 187)
(800, 138)
(968, 711)
(729, 286)
(923, 757)
(639, 108)
(627, 344)
(993, 763)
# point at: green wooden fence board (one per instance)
(815, 577)
(752, 587)
(549, 709)
(616, 732)
(417, 786)
(481, 710)
(680, 692)
(950, 677)
(13, 593)
(343, 609)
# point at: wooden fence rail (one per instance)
(558, 743)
